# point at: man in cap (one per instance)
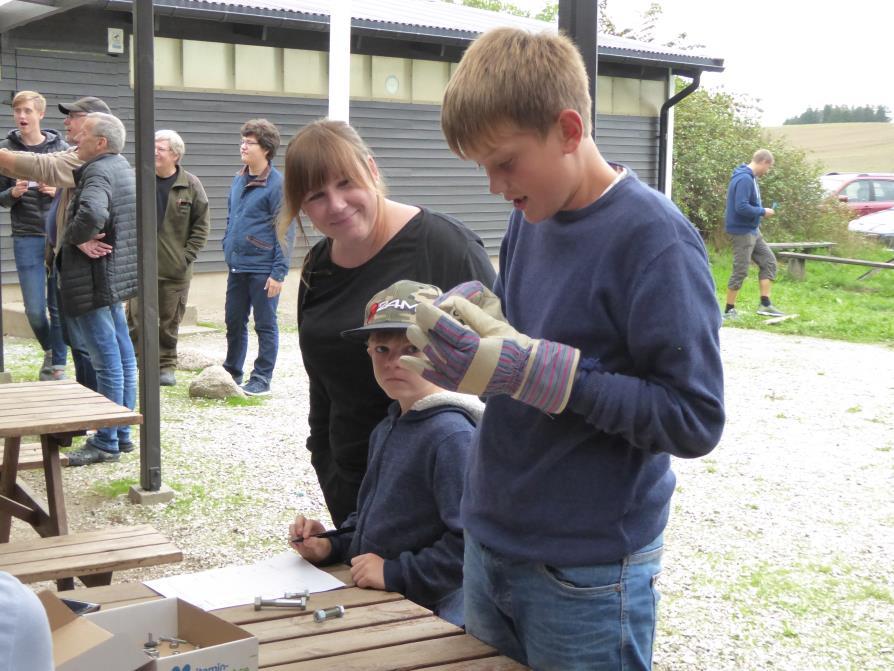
(57, 169)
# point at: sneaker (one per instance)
(46, 370)
(769, 311)
(126, 447)
(256, 387)
(58, 373)
(88, 454)
(730, 316)
(166, 378)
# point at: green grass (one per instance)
(830, 301)
(113, 488)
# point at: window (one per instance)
(857, 191)
(883, 189)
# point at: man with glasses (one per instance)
(258, 263)
(57, 169)
(183, 219)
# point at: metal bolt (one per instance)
(297, 595)
(328, 613)
(150, 642)
(280, 603)
(174, 642)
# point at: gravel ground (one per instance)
(780, 546)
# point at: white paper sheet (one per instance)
(238, 585)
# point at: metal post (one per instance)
(147, 317)
(578, 20)
(340, 60)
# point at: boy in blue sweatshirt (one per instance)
(605, 364)
(405, 535)
(744, 212)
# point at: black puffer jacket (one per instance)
(104, 200)
(28, 212)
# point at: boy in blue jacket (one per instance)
(257, 261)
(744, 211)
(605, 365)
(405, 535)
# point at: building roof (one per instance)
(423, 19)
(433, 19)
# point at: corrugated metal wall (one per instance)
(405, 138)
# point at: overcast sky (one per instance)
(791, 54)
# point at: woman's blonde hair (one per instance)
(509, 78)
(319, 153)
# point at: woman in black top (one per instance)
(369, 243)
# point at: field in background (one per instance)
(844, 147)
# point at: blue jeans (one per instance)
(104, 333)
(246, 294)
(84, 372)
(37, 295)
(600, 617)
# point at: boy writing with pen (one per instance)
(405, 535)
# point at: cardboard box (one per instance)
(113, 640)
(81, 645)
(224, 646)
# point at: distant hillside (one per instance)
(844, 147)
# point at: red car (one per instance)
(863, 192)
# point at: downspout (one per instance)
(663, 124)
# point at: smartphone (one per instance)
(81, 607)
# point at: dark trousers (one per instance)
(246, 295)
(172, 297)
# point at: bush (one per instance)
(714, 131)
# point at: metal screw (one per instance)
(280, 603)
(297, 595)
(150, 642)
(174, 642)
(325, 614)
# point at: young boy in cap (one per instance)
(609, 365)
(405, 535)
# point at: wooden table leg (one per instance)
(8, 481)
(58, 522)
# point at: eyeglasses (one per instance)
(162, 149)
(248, 143)
(76, 115)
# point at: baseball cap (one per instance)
(86, 104)
(393, 308)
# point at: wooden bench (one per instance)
(31, 457)
(92, 555)
(797, 262)
(800, 246)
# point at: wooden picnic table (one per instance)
(379, 631)
(55, 411)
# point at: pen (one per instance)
(325, 534)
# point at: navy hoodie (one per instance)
(28, 213)
(743, 203)
(408, 505)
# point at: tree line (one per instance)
(841, 114)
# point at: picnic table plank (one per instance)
(397, 657)
(105, 562)
(74, 551)
(485, 664)
(361, 616)
(31, 457)
(79, 539)
(355, 640)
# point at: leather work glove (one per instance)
(476, 353)
(474, 292)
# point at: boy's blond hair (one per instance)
(512, 78)
(23, 97)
